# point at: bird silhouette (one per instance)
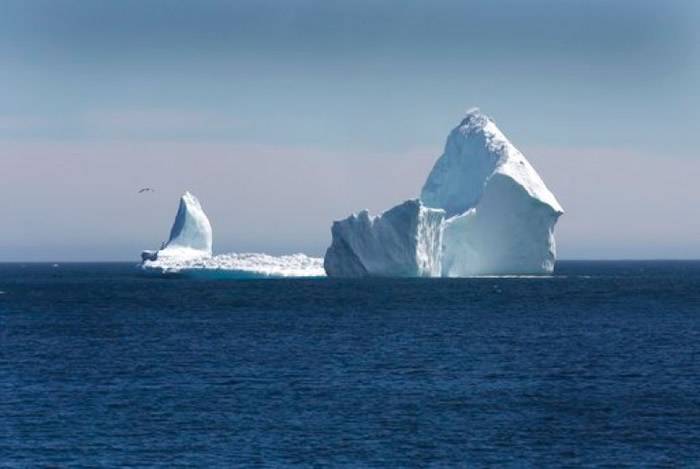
(146, 189)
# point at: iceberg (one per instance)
(483, 210)
(188, 252)
(190, 235)
(501, 216)
(404, 241)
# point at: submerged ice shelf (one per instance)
(189, 252)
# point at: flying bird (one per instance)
(146, 189)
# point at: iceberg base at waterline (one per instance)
(188, 253)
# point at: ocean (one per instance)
(597, 365)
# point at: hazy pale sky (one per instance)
(284, 115)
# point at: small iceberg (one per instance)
(190, 236)
(188, 252)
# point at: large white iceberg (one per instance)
(501, 214)
(404, 241)
(189, 252)
(491, 215)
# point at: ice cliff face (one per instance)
(497, 217)
(404, 241)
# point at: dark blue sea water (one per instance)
(599, 365)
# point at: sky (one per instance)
(282, 116)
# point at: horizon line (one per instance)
(635, 259)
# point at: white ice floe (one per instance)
(241, 265)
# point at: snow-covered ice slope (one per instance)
(501, 214)
(189, 252)
(404, 241)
